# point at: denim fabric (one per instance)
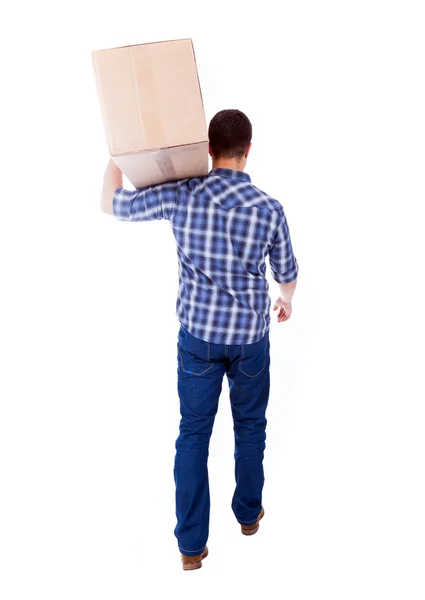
(200, 370)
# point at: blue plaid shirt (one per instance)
(224, 228)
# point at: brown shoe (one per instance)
(251, 529)
(193, 562)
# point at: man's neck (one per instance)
(228, 163)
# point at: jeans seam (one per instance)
(251, 376)
(191, 372)
(183, 550)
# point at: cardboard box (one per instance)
(152, 111)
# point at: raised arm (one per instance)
(141, 204)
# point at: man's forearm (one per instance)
(111, 181)
(287, 290)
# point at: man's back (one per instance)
(224, 228)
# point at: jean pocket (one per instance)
(193, 354)
(254, 358)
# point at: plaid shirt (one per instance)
(224, 228)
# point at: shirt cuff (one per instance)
(121, 204)
(288, 276)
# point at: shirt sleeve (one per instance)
(283, 264)
(145, 204)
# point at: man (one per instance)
(224, 228)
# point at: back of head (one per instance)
(230, 133)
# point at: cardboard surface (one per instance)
(158, 166)
(152, 110)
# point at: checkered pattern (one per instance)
(224, 228)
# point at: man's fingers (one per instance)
(282, 316)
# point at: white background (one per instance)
(89, 406)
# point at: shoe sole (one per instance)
(196, 565)
(255, 529)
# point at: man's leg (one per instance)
(199, 385)
(249, 384)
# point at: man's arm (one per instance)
(287, 291)
(112, 180)
(284, 269)
(142, 204)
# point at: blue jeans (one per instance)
(201, 366)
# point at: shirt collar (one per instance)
(231, 173)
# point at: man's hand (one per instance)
(285, 310)
(111, 181)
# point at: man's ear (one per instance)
(248, 149)
(210, 151)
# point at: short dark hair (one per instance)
(229, 133)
